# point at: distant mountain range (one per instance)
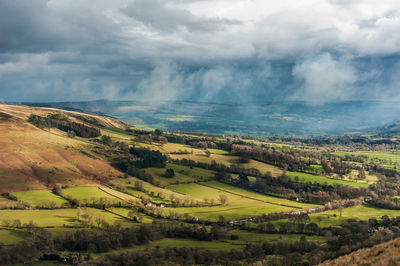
(263, 119)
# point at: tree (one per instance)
(243, 179)
(139, 185)
(223, 199)
(169, 172)
(158, 131)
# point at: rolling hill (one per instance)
(34, 158)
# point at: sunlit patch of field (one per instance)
(118, 194)
(389, 159)
(228, 160)
(323, 179)
(40, 198)
(353, 176)
(56, 217)
(333, 218)
(240, 203)
(89, 192)
(257, 196)
(234, 210)
(152, 191)
(182, 174)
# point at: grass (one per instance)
(181, 243)
(241, 203)
(333, 218)
(55, 218)
(387, 158)
(81, 193)
(200, 191)
(40, 197)
(178, 243)
(182, 174)
(257, 196)
(252, 237)
(9, 237)
(151, 190)
(228, 160)
(118, 194)
(124, 212)
(323, 179)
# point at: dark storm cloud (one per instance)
(211, 50)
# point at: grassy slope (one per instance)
(241, 203)
(8, 237)
(363, 212)
(55, 218)
(39, 197)
(31, 158)
(228, 160)
(182, 174)
(379, 255)
(87, 192)
(323, 179)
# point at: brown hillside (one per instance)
(32, 158)
(383, 254)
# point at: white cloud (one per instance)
(325, 79)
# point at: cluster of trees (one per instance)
(233, 168)
(293, 160)
(137, 158)
(150, 138)
(95, 202)
(196, 256)
(63, 123)
(386, 203)
(385, 188)
(334, 205)
(388, 172)
(204, 144)
(287, 188)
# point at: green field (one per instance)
(333, 218)
(240, 208)
(124, 212)
(241, 203)
(386, 158)
(257, 196)
(82, 193)
(55, 218)
(323, 179)
(8, 237)
(40, 198)
(151, 190)
(228, 160)
(183, 174)
(181, 243)
(252, 237)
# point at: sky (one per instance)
(316, 51)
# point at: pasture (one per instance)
(56, 217)
(228, 160)
(324, 179)
(252, 237)
(40, 198)
(183, 174)
(83, 193)
(333, 217)
(8, 237)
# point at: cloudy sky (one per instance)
(207, 50)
